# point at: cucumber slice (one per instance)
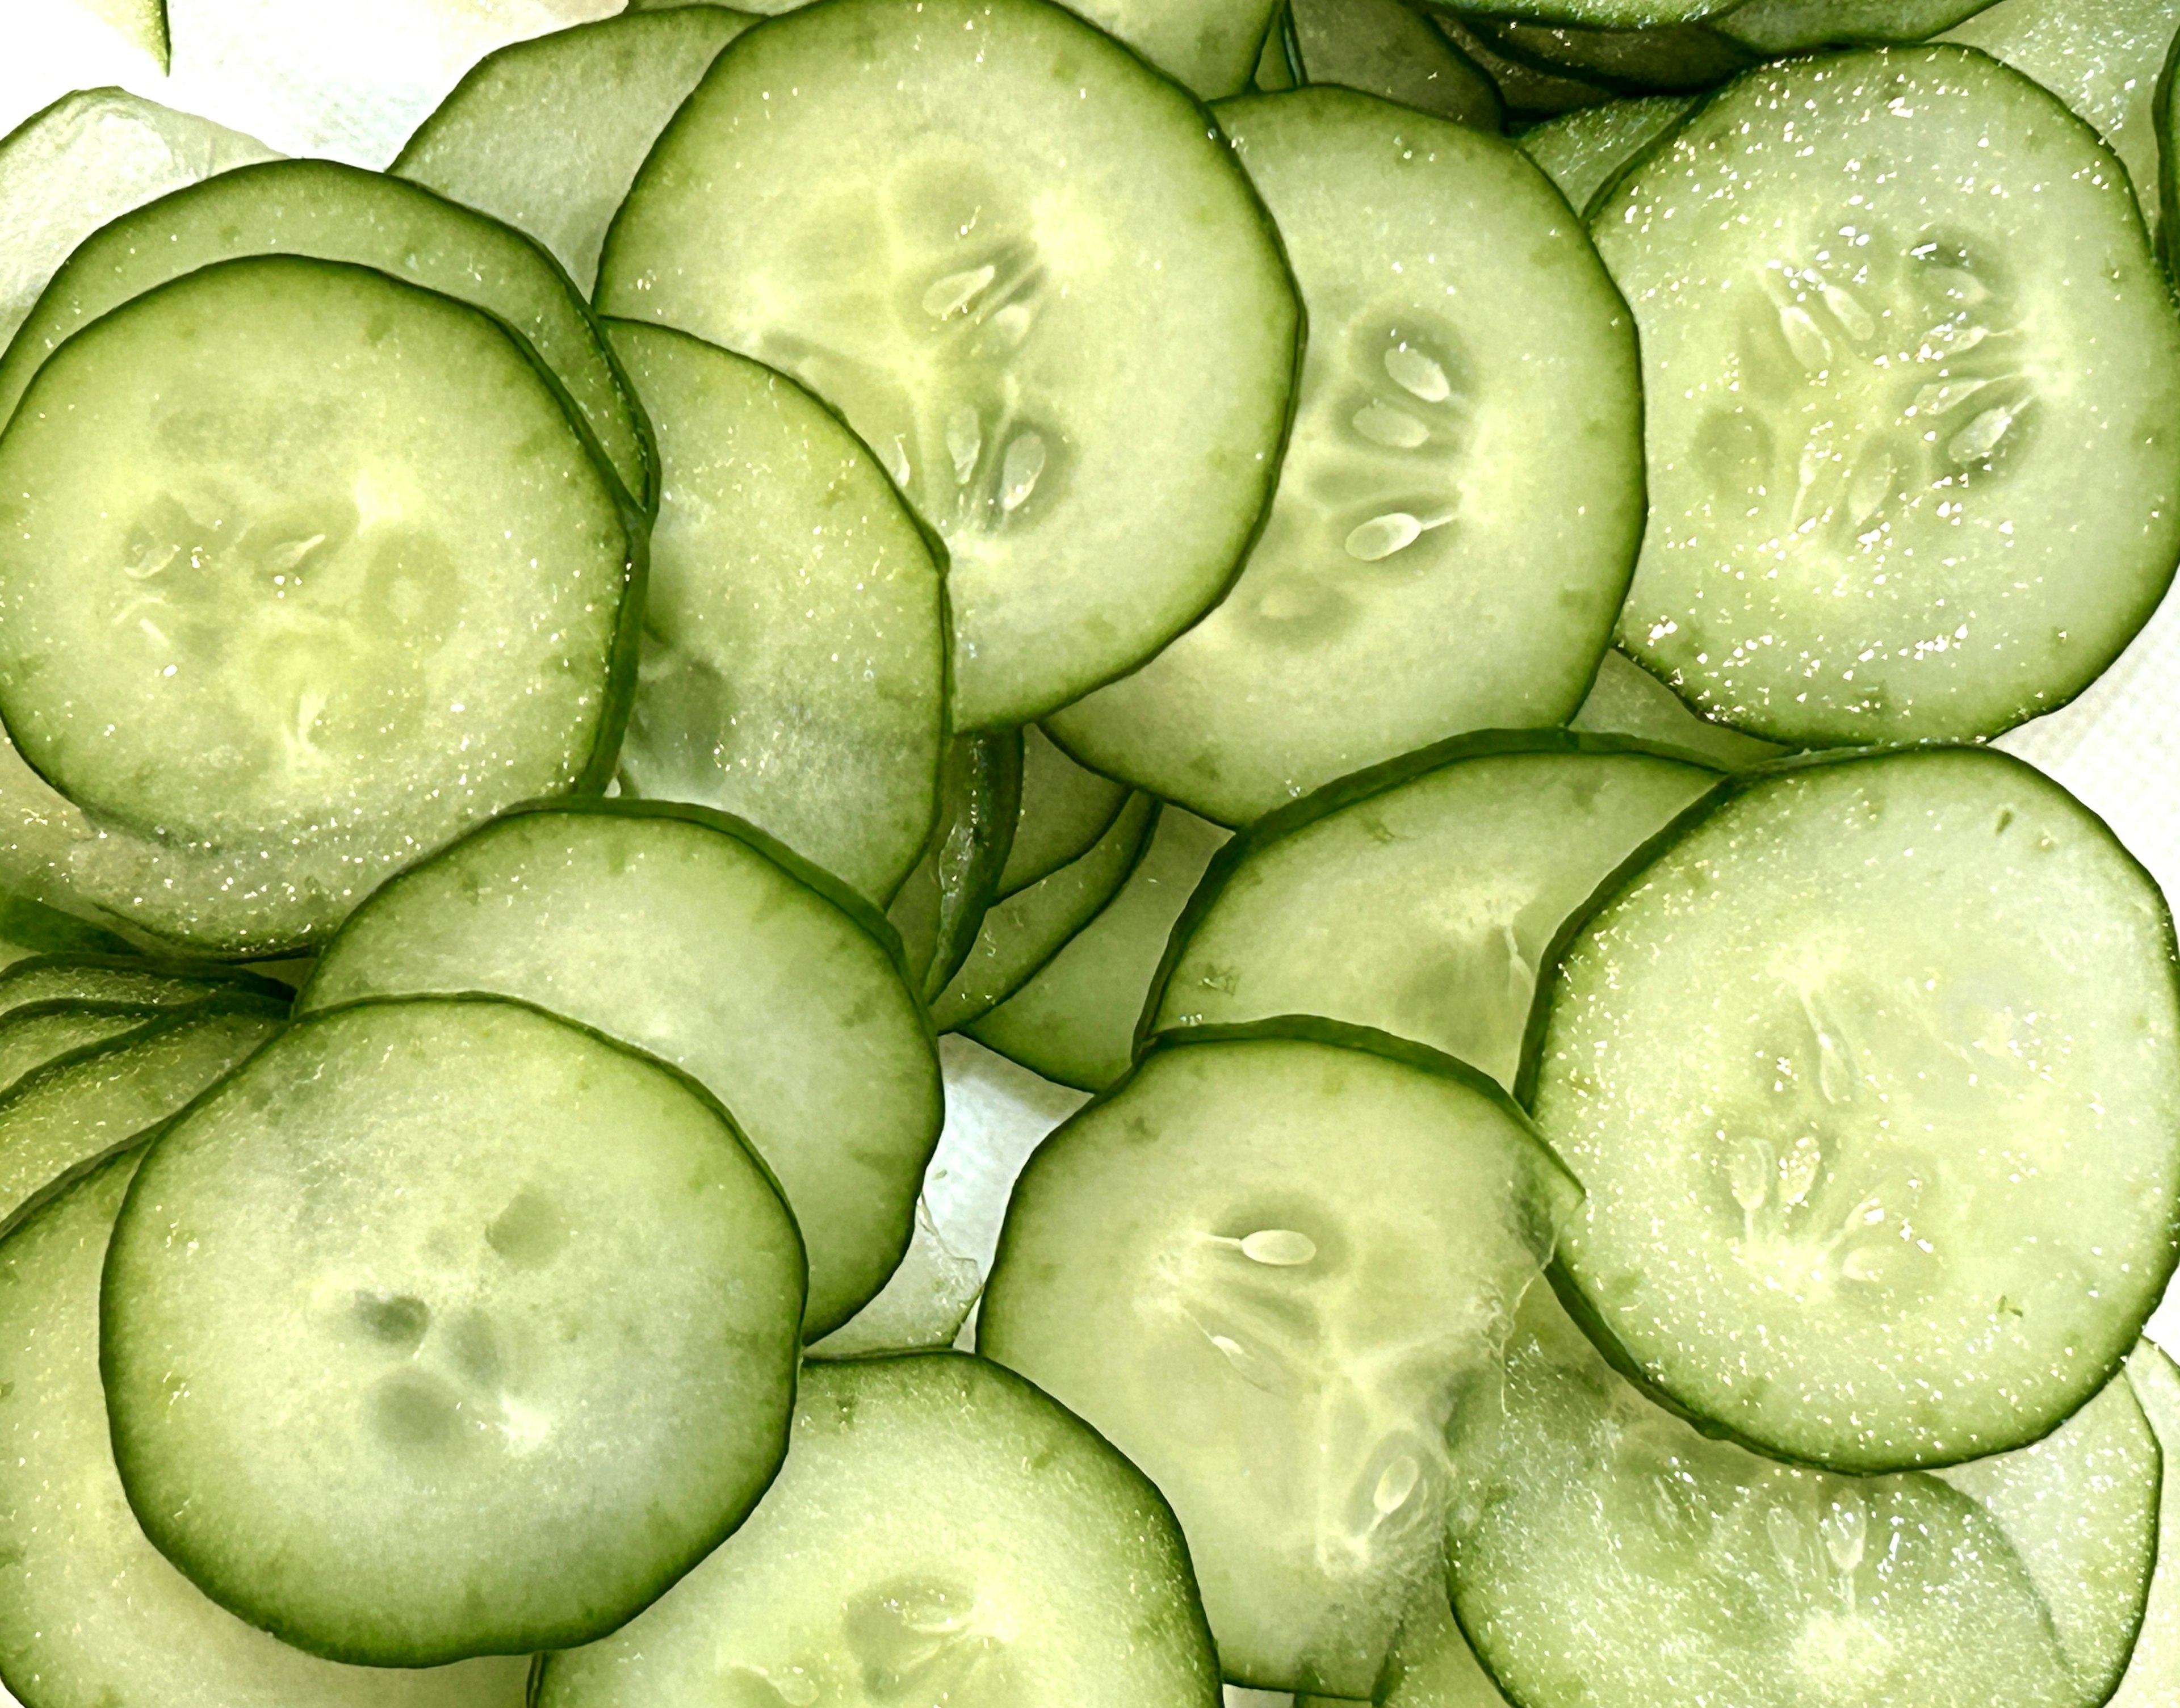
(547, 133)
(1020, 934)
(1871, 1069)
(1626, 700)
(432, 1371)
(2152, 1680)
(1074, 1021)
(1453, 531)
(89, 1611)
(1421, 898)
(1527, 92)
(1595, 15)
(276, 427)
(1432, 1665)
(1677, 59)
(86, 978)
(1295, 1336)
(942, 1533)
(1821, 567)
(692, 937)
(794, 662)
(88, 158)
(1275, 64)
(29, 929)
(1704, 1572)
(319, 209)
(1772, 27)
(941, 905)
(1585, 151)
(38, 1033)
(1030, 275)
(1382, 47)
(1065, 809)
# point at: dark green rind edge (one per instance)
(145, 1014)
(994, 793)
(1623, 879)
(2163, 115)
(213, 976)
(573, 1633)
(1120, 802)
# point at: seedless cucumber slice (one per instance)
(1384, 48)
(547, 133)
(942, 1533)
(1867, 450)
(334, 212)
(90, 1612)
(1462, 501)
(1065, 809)
(1683, 57)
(2153, 1673)
(1871, 1069)
(1277, 1273)
(262, 512)
(793, 670)
(32, 1035)
(941, 905)
(94, 978)
(1772, 27)
(1584, 152)
(1421, 898)
(1028, 271)
(1626, 700)
(478, 1332)
(695, 939)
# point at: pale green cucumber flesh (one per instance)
(941, 905)
(104, 978)
(1384, 48)
(1432, 1665)
(2152, 1678)
(1208, 46)
(32, 1035)
(1772, 27)
(1680, 58)
(1065, 809)
(28, 928)
(1584, 151)
(1594, 15)
(1626, 700)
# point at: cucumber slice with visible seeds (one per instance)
(432, 1369)
(1868, 452)
(1384, 48)
(941, 905)
(1868, 1076)
(1772, 27)
(1453, 531)
(1626, 700)
(1584, 152)
(90, 1612)
(1030, 275)
(1277, 1273)
(2152, 1678)
(1065, 809)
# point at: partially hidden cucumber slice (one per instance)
(1867, 450)
(1772, 27)
(40, 1032)
(1626, 700)
(1030, 275)
(100, 978)
(1307, 1257)
(1065, 809)
(89, 1611)
(547, 133)
(992, 1548)
(1384, 48)
(697, 939)
(1868, 1069)
(1421, 898)
(1432, 1665)
(2152, 1678)
(1528, 93)
(1584, 152)
(478, 1332)
(1677, 58)
(793, 670)
(1208, 46)
(940, 906)
(29, 929)
(1462, 501)
(1594, 15)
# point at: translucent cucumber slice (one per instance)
(1462, 500)
(33, 1035)
(1384, 48)
(1075, 1021)
(1065, 809)
(1585, 151)
(2152, 1678)
(942, 1533)
(547, 133)
(1626, 700)
(1030, 276)
(88, 158)
(1277, 1273)
(87, 978)
(89, 1611)
(1420, 898)
(319, 209)
(1020, 934)
(257, 512)
(1870, 1069)
(483, 1332)
(1705, 1572)
(1432, 1665)
(794, 662)
(697, 939)
(1527, 92)
(1868, 452)
(1770, 27)
(940, 906)
(1679, 59)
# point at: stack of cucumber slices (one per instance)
(952, 853)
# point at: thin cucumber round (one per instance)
(940, 906)
(1528, 93)
(1384, 48)
(1065, 809)
(1772, 27)
(1595, 15)
(1867, 1074)
(2152, 1680)
(1585, 151)
(40, 1032)
(1626, 700)
(1680, 58)
(125, 978)
(445, 1328)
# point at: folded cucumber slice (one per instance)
(1462, 498)
(547, 133)
(1420, 898)
(2152, 1680)
(97, 978)
(40, 1032)
(1771, 27)
(1384, 48)
(1277, 1273)
(479, 1332)
(941, 905)
(793, 662)
(321, 209)
(697, 939)
(1704, 1572)
(1032, 278)
(89, 1611)
(258, 511)
(1868, 452)
(1868, 1075)
(1584, 152)
(1065, 809)
(1626, 700)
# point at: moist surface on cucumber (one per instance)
(1302, 1260)
(1028, 271)
(1432, 1665)
(547, 133)
(1626, 700)
(1421, 898)
(1791, 26)
(1866, 1076)
(91, 1615)
(1584, 151)
(1065, 809)
(942, 1533)
(1462, 500)
(1384, 48)
(2153, 1671)
(695, 940)
(941, 905)
(793, 670)
(105, 978)
(1677, 58)
(36, 1034)
(446, 1328)
(1878, 390)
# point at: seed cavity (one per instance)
(1805, 338)
(1847, 310)
(1395, 429)
(1395, 1483)
(1381, 536)
(1846, 1528)
(1418, 374)
(957, 292)
(1019, 470)
(965, 442)
(397, 1319)
(1980, 437)
(1279, 1247)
